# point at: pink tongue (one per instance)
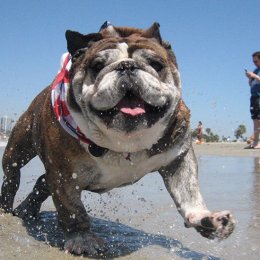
(132, 106)
(132, 111)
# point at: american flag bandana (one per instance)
(59, 90)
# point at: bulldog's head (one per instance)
(125, 86)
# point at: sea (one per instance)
(141, 221)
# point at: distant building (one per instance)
(6, 124)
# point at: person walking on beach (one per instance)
(254, 83)
(199, 132)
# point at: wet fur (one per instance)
(39, 133)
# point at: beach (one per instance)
(141, 222)
(226, 149)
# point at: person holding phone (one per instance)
(254, 83)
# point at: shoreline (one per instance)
(225, 149)
(211, 149)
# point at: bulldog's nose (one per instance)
(127, 67)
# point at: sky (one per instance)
(213, 41)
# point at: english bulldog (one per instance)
(113, 114)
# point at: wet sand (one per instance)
(141, 221)
(226, 149)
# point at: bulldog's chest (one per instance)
(117, 169)
(112, 170)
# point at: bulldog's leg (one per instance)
(182, 183)
(30, 207)
(19, 151)
(74, 219)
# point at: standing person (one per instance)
(199, 132)
(254, 82)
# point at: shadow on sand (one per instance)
(121, 239)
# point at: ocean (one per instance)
(141, 220)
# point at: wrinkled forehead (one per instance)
(128, 46)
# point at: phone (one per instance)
(245, 70)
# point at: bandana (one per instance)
(105, 25)
(59, 89)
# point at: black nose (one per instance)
(127, 67)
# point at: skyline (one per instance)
(213, 42)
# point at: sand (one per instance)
(226, 149)
(43, 240)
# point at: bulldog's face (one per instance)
(127, 89)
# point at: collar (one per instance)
(59, 90)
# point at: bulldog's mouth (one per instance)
(133, 108)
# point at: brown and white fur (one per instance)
(116, 68)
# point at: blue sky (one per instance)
(212, 39)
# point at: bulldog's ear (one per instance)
(76, 41)
(153, 32)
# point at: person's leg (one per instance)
(256, 143)
(251, 139)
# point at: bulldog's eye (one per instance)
(97, 67)
(77, 54)
(156, 65)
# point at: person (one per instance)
(254, 83)
(199, 132)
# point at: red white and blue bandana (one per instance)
(59, 89)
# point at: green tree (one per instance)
(240, 131)
(208, 135)
(208, 131)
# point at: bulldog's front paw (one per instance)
(87, 243)
(212, 225)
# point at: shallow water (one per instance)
(141, 222)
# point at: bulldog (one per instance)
(113, 114)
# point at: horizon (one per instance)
(6, 127)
